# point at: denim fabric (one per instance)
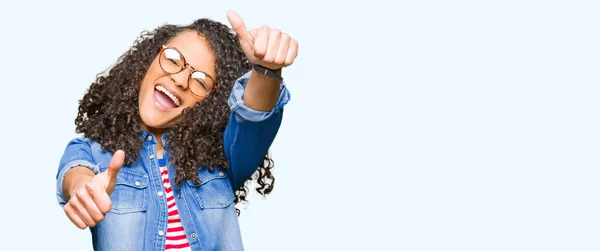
(138, 217)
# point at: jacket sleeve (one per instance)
(77, 153)
(249, 133)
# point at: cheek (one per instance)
(153, 73)
(145, 93)
(192, 100)
(189, 105)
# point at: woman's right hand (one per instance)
(90, 197)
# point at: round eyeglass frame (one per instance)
(185, 64)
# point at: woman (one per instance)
(172, 133)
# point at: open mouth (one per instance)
(165, 98)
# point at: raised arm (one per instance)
(257, 98)
(270, 49)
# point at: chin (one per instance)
(157, 120)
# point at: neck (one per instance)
(159, 145)
(158, 133)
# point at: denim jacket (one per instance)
(138, 217)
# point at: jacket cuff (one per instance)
(61, 177)
(244, 113)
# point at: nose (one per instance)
(181, 78)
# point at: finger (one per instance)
(115, 165)
(261, 42)
(101, 199)
(282, 51)
(238, 25)
(74, 217)
(252, 38)
(292, 53)
(90, 206)
(274, 38)
(81, 211)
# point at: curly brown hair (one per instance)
(109, 112)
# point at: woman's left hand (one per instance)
(264, 46)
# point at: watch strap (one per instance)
(268, 72)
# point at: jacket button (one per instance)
(161, 233)
(179, 196)
(149, 138)
(151, 156)
(160, 194)
(137, 183)
(221, 174)
(194, 236)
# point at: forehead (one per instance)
(196, 51)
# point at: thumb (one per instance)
(238, 26)
(115, 165)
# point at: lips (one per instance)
(172, 96)
(164, 99)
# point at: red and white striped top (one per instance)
(176, 238)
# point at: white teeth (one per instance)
(169, 94)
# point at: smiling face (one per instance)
(164, 95)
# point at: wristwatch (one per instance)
(268, 72)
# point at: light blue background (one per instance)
(413, 125)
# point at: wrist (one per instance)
(76, 178)
(274, 74)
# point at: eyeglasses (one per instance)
(173, 62)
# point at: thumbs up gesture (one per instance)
(90, 200)
(264, 46)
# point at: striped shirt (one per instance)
(175, 237)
